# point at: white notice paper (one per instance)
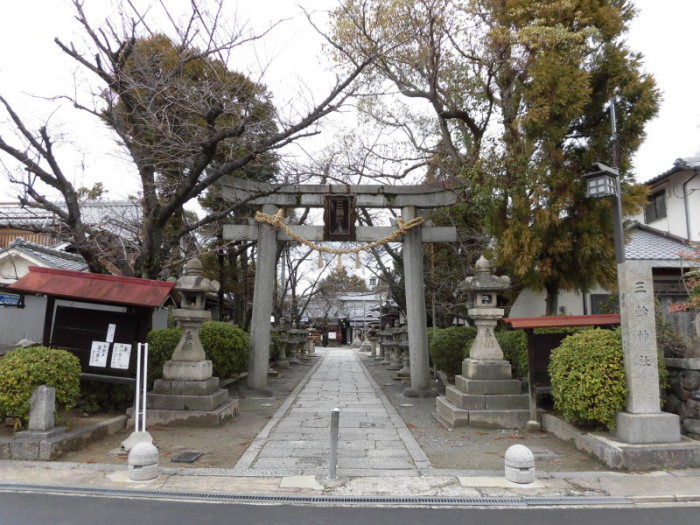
(110, 332)
(120, 356)
(98, 354)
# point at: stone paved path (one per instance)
(373, 441)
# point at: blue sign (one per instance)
(8, 299)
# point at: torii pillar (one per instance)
(261, 325)
(415, 310)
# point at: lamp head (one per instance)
(601, 181)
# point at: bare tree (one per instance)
(184, 117)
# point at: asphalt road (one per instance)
(43, 509)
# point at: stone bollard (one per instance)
(520, 464)
(43, 406)
(143, 462)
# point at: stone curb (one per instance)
(79, 475)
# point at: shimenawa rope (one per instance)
(276, 221)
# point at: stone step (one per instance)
(453, 416)
(186, 388)
(486, 402)
(487, 386)
(450, 414)
(499, 418)
(187, 402)
(192, 418)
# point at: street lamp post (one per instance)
(601, 182)
(642, 420)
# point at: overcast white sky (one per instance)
(665, 32)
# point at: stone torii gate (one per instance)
(339, 203)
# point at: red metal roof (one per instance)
(94, 287)
(563, 320)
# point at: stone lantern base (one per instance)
(189, 395)
(484, 395)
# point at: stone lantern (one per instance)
(192, 288)
(188, 390)
(483, 289)
(485, 394)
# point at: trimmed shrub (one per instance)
(161, 344)
(448, 347)
(24, 369)
(514, 346)
(100, 397)
(588, 377)
(227, 346)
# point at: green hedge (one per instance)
(449, 346)
(161, 344)
(588, 377)
(24, 369)
(514, 346)
(226, 345)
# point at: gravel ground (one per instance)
(221, 446)
(469, 447)
(464, 448)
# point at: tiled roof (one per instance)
(646, 243)
(122, 218)
(688, 163)
(51, 257)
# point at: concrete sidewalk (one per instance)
(378, 457)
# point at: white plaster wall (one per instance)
(694, 208)
(675, 220)
(531, 303)
(23, 323)
(13, 267)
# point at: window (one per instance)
(656, 209)
(373, 281)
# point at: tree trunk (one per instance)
(552, 299)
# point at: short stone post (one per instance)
(293, 343)
(43, 407)
(385, 337)
(374, 342)
(310, 343)
(396, 362)
(519, 464)
(33, 444)
(143, 462)
(366, 345)
(405, 370)
(282, 361)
